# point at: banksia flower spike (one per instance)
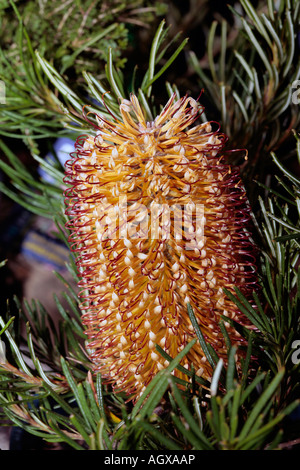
(158, 220)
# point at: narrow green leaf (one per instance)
(234, 414)
(159, 437)
(145, 105)
(17, 352)
(114, 79)
(216, 378)
(188, 435)
(158, 385)
(231, 369)
(152, 58)
(245, 65)
(94, 38)
(210, 50)
(36, 362)
(247, 5)
(274, 35)
(253, 318)
(86, 407)
(241, 106)
(252, 386)
(200, 336)
(222, 60)
(191, 423)
(168, 63)
(291, 45)
(181, 368)
(258, 48)
(261, 403)
(81, 403)
(66, 438)
(35, 209)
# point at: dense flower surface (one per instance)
(158, 220)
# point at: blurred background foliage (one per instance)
(242, 57)
(76, 35)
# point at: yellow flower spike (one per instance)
(158, 220)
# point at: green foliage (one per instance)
(67, 405)
(248, 78)
(75, 38)
(45, 382)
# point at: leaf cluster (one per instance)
(249, 74)
(75, 39)
(75, 36)
(234, 411)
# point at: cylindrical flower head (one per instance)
(158, 220)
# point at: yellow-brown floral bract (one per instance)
(158, 220)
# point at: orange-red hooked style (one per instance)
(158, 219)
